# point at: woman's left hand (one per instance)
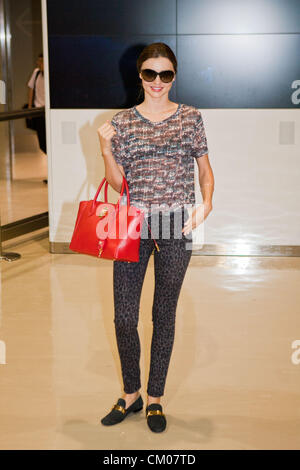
(199, 214)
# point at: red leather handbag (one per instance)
(121, 240)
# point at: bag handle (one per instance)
(124, 184)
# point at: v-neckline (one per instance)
(157, 122)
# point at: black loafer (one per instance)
(156, 419)
(118, 411)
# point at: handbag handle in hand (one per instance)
(124, 184)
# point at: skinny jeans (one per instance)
(170, 265)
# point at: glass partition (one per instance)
(23, 164)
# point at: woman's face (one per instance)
(158, 64)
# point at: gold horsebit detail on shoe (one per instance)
(155, 412)
(119, 407)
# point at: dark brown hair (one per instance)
(156, 49)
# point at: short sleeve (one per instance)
(32, 78)
(199, 147)
(118, 147)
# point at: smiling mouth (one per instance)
(156, 88)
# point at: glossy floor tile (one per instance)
(233, 380)
(26, 195)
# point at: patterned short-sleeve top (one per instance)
(158, 157)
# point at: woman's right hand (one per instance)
(106, 132)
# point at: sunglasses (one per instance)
(150, 75)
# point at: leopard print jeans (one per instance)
(170, 265)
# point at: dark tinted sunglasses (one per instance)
(150, 75)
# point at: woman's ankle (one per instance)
(131, 395)
(151, 400)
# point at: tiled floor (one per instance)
(232, 383)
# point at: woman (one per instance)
(36, 99)
(154, 145)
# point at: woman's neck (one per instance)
(156, 108)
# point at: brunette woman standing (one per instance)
(154, 145)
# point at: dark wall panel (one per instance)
(255, 71)
(238, 16)
(92, 17)
(97, 71)
(231, 53)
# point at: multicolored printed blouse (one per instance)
(158, 157)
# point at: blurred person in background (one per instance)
(36, 99)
